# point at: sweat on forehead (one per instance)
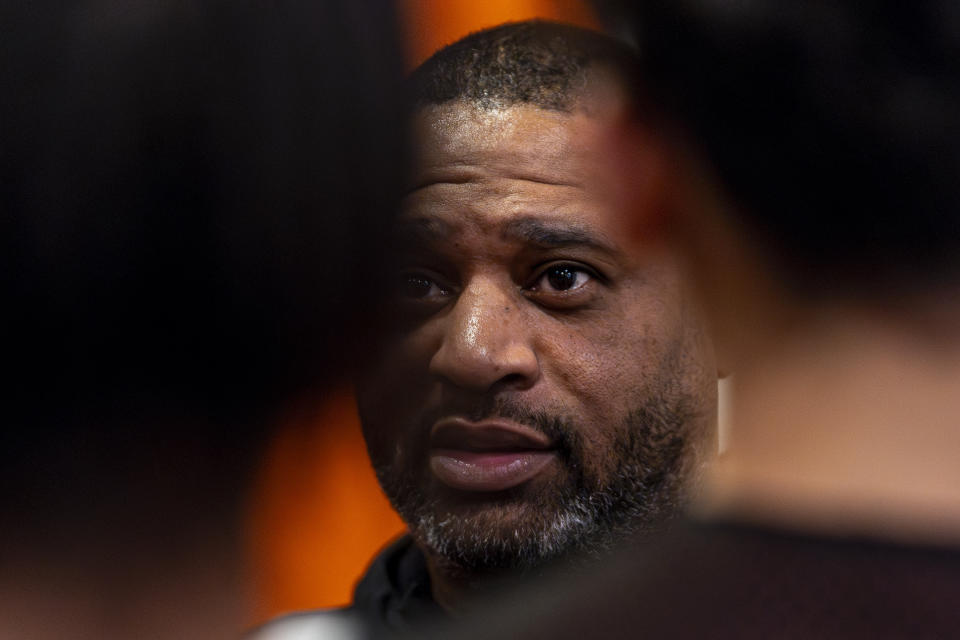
(545, 64)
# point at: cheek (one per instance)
(391, 392)
(599, 360)
(608, 363)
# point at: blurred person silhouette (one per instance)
(195, 197)
(546, 389)
(805, 157)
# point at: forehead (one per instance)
(489, 167)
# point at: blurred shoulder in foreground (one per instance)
(195, 198)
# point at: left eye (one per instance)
(562, 277)
(419, 286)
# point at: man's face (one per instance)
(545, 388)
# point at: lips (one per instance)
(492, 455)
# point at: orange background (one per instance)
(318, 515)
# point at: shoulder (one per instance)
(333, 624)
(380, 597)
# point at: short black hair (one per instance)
(545, 64)
(834, 125)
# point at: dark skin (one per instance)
(522, 284)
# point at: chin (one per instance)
(509, 534)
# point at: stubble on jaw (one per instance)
(593, 506)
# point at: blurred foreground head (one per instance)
(832, 129)
(194, 200)
(808, 156)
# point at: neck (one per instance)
(851, 426)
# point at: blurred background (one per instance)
(318, 516)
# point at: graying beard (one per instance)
(583, 527)
(641, 494)
(475, 548)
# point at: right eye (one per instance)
(417, 285)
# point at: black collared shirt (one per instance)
(393, 598)
(394, 595)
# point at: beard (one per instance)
(633, 486)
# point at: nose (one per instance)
(486, 341)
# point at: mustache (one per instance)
(561, 430)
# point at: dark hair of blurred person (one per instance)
(831, 126)
(194, 200)
(805, 157)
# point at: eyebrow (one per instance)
(553, 234)
(422, 230)
(544, 234)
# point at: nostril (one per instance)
(513, 379)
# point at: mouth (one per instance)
(492, 455)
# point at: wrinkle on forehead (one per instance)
(530, 230)
(482, 167)
(460, 174)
